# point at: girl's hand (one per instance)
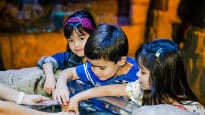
(49, 85)
(33, 99)
(61, 94)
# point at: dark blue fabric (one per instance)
(67, 59)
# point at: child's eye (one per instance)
(70, 40)
(82, 38)
(143, 72)
(102, 68)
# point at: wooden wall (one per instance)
(23, 50)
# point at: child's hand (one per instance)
(49, 85)
(34, 99)
(61, 94)
(72, 105)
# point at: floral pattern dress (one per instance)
(135, 93)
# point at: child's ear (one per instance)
(122, 61)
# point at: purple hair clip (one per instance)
(84, 21)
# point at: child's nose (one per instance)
(76, 44)
(138, 74)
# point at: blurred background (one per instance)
(30, 29)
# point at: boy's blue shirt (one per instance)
(87, 76)
(90, 80)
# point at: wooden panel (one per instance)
(23, 50)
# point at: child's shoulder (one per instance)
(68, 56)
(132, 61)
(68, 53)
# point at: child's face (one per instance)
(143, 76)
(77, 42)
(104, 69)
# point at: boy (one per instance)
(107, 62)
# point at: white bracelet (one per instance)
(20, 98)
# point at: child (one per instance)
(77, 29)
(162, 80)
(106, 52)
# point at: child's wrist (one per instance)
(79, 97)
(50, 80)
(60, 85)
(20, 98)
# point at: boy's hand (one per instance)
(72, 105)
(49, 85)
(61, 94)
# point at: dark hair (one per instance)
(71, 26)
(108, 42)
(168, 77)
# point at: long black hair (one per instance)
(168, 76)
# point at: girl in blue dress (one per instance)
(77, 29)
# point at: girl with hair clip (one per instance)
(162, 80)
(77, 29)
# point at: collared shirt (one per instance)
(86, 74)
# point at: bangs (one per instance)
(71, 27)
(146, 61)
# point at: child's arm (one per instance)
(108, 90)
(9, 94)
(50, 64)
(61, 93)
(8, 108)
(50, 81)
